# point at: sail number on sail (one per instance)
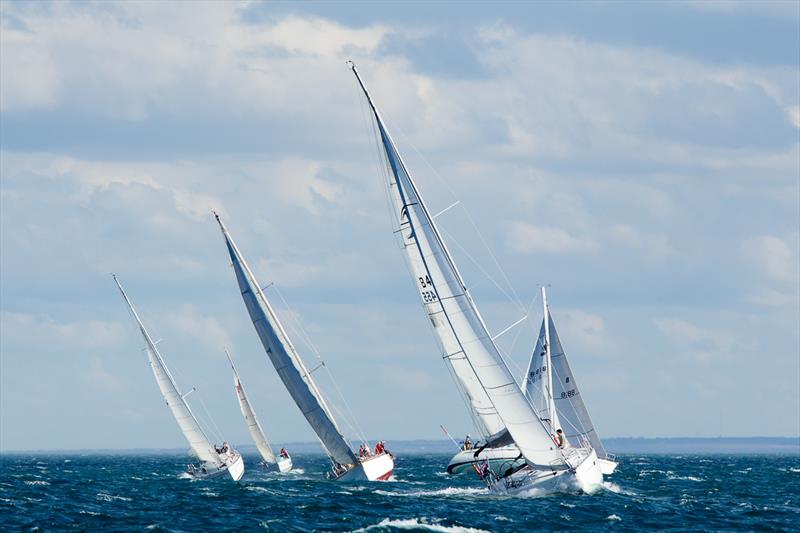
(428, 296)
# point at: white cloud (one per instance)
(74, 334)
(773, 256)
(527, 238)
(583, 330)
(794, 115)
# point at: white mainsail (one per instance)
(286, 360)
(250, 418)
(466, 344)
(176, 401)
(557, 398)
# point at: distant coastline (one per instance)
(619, 445)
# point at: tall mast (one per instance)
(551, 403)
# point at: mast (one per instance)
(551, 403)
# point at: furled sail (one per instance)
(286, 360)
(571, 414)
(250, 418)
(191, 429)
(466, 344)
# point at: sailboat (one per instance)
(346, 465)
(502, 411)
(213, 462)
(268, 457)
(553, 391)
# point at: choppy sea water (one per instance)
(140, 493)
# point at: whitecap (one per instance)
(795, 470)
(613, 517)
(111, 497)
(616, 489)
(568, 505)
(37, 482)
(449, 491)
(90, 513)
(419, 524)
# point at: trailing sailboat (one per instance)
(346, 465)
(503, 412)
(268, 457)
(213, 461)
(553, 391)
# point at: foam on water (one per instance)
(418, 524)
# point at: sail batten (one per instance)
(194, 434)
(286, 360)
(494, 395)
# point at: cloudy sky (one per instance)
(642, 160)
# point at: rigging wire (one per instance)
(298, 327)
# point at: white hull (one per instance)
(500, 460)
(234, 466)
(607, 466)
(583, 474)
(284, 464)
(375, 468)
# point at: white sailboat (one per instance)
(551, 387)
(268, 457)
(213, 463)
(553, 391)
(347, 466)
(503, 412)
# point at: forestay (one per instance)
(286, 360)
(571, 411)
(175, 400)
(462, 334)
(250, 418)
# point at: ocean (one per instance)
(147, 493)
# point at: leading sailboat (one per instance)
(214, 462)
(346, 465)
(502, 410)
(268, 457)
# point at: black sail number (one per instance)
(425, 282)
(428, 297)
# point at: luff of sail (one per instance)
(465, 341)
(285, 359)
(191, 429)
(250, 419)
(573, 417)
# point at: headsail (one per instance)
(175, 400)
(464, 339)
(563, 403)
(250, 418)
(286, 360)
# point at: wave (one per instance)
(111, 497)
(418, 524)
(37, 482)
(613, 517)
(449, 491)
(616, 489)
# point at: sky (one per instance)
(642, 160)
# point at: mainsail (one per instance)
(191, 429)
(465, 342)
(563, 403)
(286, 360)
(250, 418)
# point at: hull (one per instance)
(607, 466)
(284, 464)
(375, 468)
(500, 460)
(583, 473)
(233, 466)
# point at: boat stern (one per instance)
(236, 467)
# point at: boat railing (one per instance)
(611, 457)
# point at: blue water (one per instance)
(145, 493)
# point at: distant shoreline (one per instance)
(620, 445)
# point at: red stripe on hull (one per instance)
(386, 476)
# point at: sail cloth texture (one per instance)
(191, 429)
(286, 361)
(180, 409)
(572, 413)
(252, 422)
(494, 394)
